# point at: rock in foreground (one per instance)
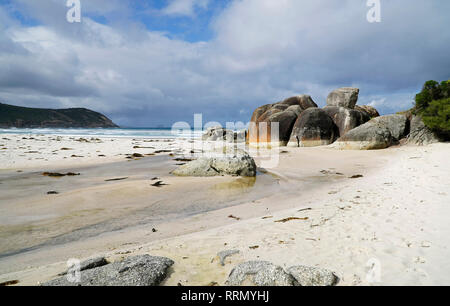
(263, 273)
(142, 270)
(91, 264)
(311, 276)
(229, 162)
(259, 273)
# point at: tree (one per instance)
(433, 105)
(437, 117)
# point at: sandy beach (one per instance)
(391, 216)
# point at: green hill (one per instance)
(25, 117)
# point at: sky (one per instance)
(153, 63)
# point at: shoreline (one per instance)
(376, 228)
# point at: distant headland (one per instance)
(25, 117)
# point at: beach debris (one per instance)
(213, 284)
(137, 155)
(82, 140)
(304, 209)
(116, 179)
(267, 217)
(259, 273)
(76, 156)
(224, 254)
(183, 159)
(154, 230)
(356, 176)
(425, 244)
(9, 283)
(144, 270)
(52, 192)
(254, 247)
(291, 219)
(312, 276)
(155, 178)
(56, 174)
(159, 184)
(234, 217)
(139, 147)
(163, 151)
(66, 149)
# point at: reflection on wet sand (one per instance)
(95, 202)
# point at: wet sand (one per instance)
(395, 213)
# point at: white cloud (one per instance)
(184, 7)
(262, 51)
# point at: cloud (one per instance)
(262, 51)
(184, 7)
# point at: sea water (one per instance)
(107, 132)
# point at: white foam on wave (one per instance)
(101, 132)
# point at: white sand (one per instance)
(395, 216)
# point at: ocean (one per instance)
(106, 132)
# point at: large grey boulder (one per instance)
(142, 270)
(398, 125)
(419, 133)
(369, 136)
(313, 128)
(217, 133)
(344, 97)
(259, 273)
(284, 113)
(312, 276)
(220, 134)
(286, 120)
(369, 110)
(228, 162)
(346, 119)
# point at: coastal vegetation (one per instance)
(433, 105)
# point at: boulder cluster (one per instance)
(147, 270)
(342, 123)
(264, 273)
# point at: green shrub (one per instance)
(432, 91)
(437, 117)
(433, 105)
